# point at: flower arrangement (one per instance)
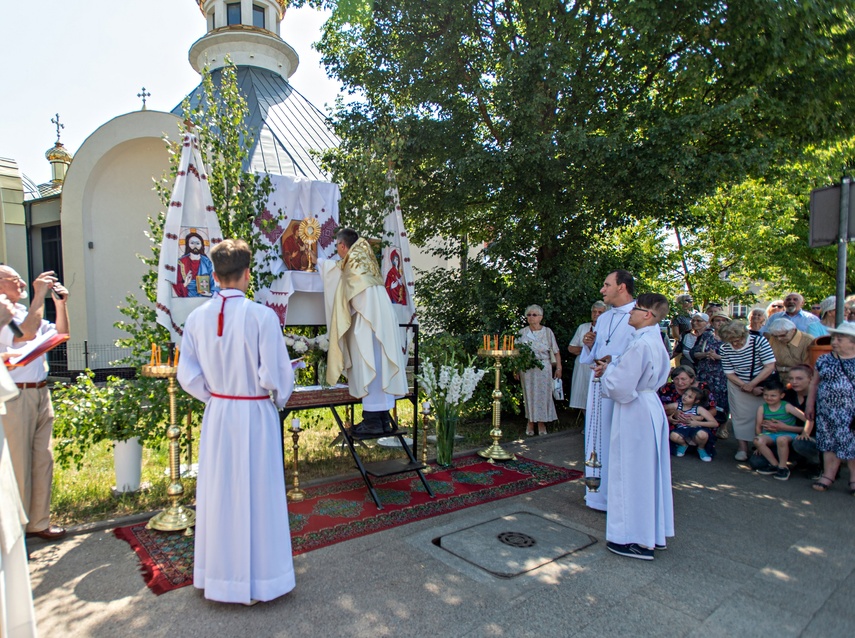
(448, 386)
(313, 350)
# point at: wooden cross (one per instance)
(143, 95)
(55, 120)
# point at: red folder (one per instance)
(35, 349)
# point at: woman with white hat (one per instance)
(831, 403)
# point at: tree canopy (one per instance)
(540, 128)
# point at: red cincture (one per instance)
(221, 319)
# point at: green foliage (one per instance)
(756, 231)
(86, 413)
(441, 346)
(571, 138)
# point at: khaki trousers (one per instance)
(29, 425)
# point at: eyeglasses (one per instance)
(532, 314)
(643, 310)
(15, 278)
(815, 308)
(777, 305)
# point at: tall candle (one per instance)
(295, 423)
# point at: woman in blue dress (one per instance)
(831, 402)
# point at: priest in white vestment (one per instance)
(233, 357)
(17, 617)
(611, 338)
(641, 510)
(365, 339)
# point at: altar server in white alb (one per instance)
(641, 509)
(609, 340)
(233, 357)
(17, 617)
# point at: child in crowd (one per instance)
(776, 424)
(692, 423)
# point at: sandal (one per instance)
(529, 432)
(819, 486)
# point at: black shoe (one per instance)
(371, 425)
(389, 425)
(632, 550)
(767, 470)
(782, 474)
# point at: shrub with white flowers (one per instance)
(448, 386)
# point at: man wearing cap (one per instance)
(29, 416)
(793, 303)
(681, 321)
(790, 346)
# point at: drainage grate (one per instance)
(516, 539)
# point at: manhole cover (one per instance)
(514, 544)
(516, 539)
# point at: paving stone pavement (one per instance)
(753, 556)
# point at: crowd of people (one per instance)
(781, 383)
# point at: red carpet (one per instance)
(344, 510)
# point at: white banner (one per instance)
(291, 260)
(185, 273)
(397, 268)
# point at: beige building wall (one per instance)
(13, 229)
(106, 201)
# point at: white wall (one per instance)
(106, 200)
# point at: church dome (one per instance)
(57, 153)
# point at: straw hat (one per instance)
(846, 328)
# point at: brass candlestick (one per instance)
(495, 452)
(425, 414)
(295, 494)
(176, 517)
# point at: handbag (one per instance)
(772, 377)
(557, 390)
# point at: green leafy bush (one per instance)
(86, 413)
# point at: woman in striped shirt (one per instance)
(747, 360)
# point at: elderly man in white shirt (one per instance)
(29, 416)
(793, 303)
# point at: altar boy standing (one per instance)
(641, 508)
(233, 357)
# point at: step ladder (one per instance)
(381, 468)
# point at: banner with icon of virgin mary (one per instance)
(397, 268)
(185, 273)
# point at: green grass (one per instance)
(85, 495)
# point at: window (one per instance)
(212, 20)
(258, 16)
(738, 310)
(233, 13)
(51, 260)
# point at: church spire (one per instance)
(58, 157)
(247, 31)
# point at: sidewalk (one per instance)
(752, 557)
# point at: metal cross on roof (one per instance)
(55, 120)
(143, 95)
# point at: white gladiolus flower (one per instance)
(300, 347)
(289, 341)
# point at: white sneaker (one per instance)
(741, 456)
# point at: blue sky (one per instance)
(87, 60)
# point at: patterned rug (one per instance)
(344, 510)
